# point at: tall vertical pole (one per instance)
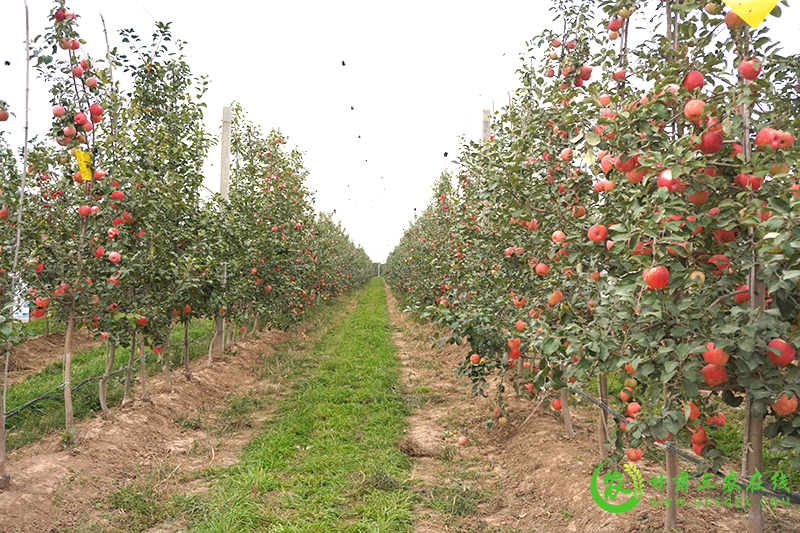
(224, 190)
(486, 130)
(225, 158)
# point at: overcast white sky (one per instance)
(418, 74)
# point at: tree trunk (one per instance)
(5, 478)
(126, 398)
(186, 370)
(602, 420)
(143, 369)
(754, 462)
(68, 414)
(565, 412)
(217, 343)
(165, 355)
(671, 512)
(111, 349)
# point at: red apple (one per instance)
(99, 251)
(633, 408)
(542, 269)
(598, 233)
(624, 163)
(656, 277)
(732, 20)
(474, 359)
(556, 404)
(748, 181)
(699, 197)
(555, 298)
(710, 142)
(714, 374)
(635, 176)
(634, 454)
(750, 68)
(84, 210)
(784, 405)
(665, 179)
(693, 80)
(694, 110)
(781, 353)
(615, 24)
(114, 257)
(77, 72)
(59, 110)
(768, 137)
(715, 356)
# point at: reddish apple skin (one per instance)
(714, 374)
(656, 277)
(665, 179)
(784, 405)
(693, 80)
(732, 20)
(598, 233)
(781, 353)
(710, 142)
(750, 68)
(699, 197)
(694, 110)
(715, 356)
(634, 454)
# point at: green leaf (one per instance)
(758, 409)
(592, 138)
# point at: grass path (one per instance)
(328, 460)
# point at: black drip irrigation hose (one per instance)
(24, 406)
(793, 496)
(58, 395)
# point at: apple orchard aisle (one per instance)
(328, 460)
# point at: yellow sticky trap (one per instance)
(752, 12)
(84, 164)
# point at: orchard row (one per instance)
(116, 233)
(634, 213)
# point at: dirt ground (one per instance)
(540, 477)
(36, 354)
(526, 477)
(53, 489)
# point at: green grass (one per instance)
(48, 415)
(327, 460)
(37, 327)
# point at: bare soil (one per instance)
(173, 436)
(526, 477)
(536, 477)
(34, 355)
